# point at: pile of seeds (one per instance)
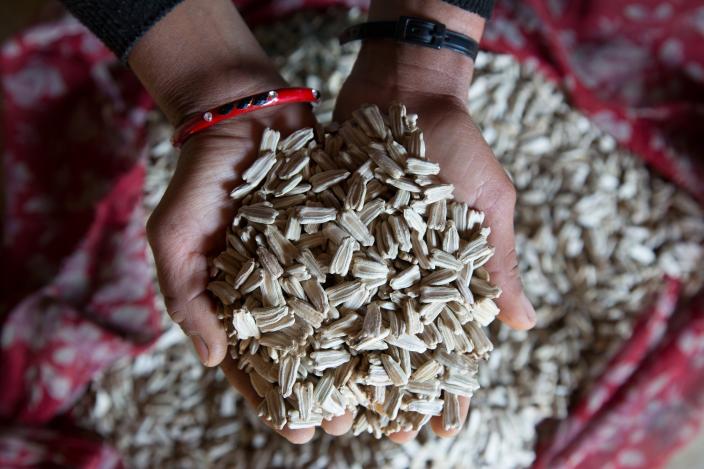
(353, 281)
(164, 409)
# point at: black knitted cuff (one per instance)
(120, 23)
(480, 7)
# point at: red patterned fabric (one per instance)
(77, 289)
(635, 67)
(648, 403)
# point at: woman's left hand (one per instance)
(453, 140)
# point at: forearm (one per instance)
(200, 55)
(441, 71)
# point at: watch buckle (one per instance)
(419, 31)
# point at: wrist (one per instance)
(390, 64)
(200, 55)
(406, 68)
(453, 17)
(190, 94)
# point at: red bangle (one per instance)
(209, 118)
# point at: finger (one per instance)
(200, 322)
(239, 380)
(402, 437)
(515, 309)
(439, 429)
(483, 184)
(339, 425)
(481, 181)
(183, 276)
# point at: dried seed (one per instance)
(437, 193)
(306, 312)
(270, 140)
(253, 281)
(225, 293)
(405, 278)
(282, 247)
(315, 215)
(316, 295)
(397, 116)
(411, 318)
(311, 263)
(288, 371)
(421, 167)
(439, 295)
(259, 169)
(415, 144)
(276, 409)
(451, 419)
(269, 262)
(296, 140)
(325, 359)
(351, 223)
(243, 322)
(378, 154)
(293, 166)
(322, 181)
(438, 215)
(242, 190)
(371, 210)
(442, 259)
(414, 221)
(342, 292)
(366, 269)
(259, 214)
(394, 370)
(354, 200)
(272, 319)
(244, 273)
(285, 187)
(426, 407)
(440, 277)
(340, 262)
(370, 121)
(451, 238)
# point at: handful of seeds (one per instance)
(353, 281)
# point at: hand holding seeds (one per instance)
(353, 284)
(187, 228)
(465, 160)
(456, 144)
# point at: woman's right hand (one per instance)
(199, 56)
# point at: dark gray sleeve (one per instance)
(119, 23)
(480, 7)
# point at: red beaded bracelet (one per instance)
(241, 106)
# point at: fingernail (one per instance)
(201, 348)
(527, 308)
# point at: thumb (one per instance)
(183, 277)
(515, 309)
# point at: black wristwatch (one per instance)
(416, 31)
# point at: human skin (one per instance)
(434, 84)
(201, 55)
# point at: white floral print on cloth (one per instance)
(636, 67)
(77, 291)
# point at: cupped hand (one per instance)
(439, 97)
(188, 227)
